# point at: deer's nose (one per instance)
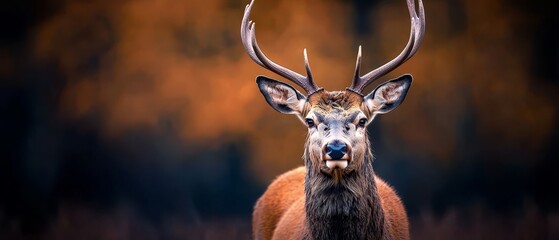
(336, 149)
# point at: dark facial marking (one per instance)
(352, 117)
(320, 117)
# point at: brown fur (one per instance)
(280, 212)
(325, 101)
(279, 196)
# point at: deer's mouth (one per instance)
(333, 164)
(340, 161)
(336, 168)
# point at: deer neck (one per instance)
(346, 209)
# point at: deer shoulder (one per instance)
(280, 195)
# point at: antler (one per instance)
(416, 36)
(251, 46)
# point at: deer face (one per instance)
(336, 121)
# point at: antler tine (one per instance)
(246, 26)
(307, 66)
(248, 38)
(418, 22)
(416, 36)
(357, 68)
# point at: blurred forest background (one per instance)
(141, 119)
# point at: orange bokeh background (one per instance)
(176, 72)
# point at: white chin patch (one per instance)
(331, 164)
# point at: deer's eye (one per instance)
(362, 122)
(310, 122)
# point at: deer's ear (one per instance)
(280, 96)
(388, 95)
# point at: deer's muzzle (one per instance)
(336, 154)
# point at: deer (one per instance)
(336, 194)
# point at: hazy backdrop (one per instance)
(141, 119)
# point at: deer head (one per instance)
(337, 120)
